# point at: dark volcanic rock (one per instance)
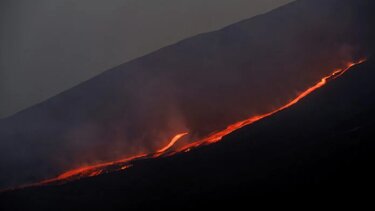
(197, 85)
(322, 146)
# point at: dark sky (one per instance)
(48, 46)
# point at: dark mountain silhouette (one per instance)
(323, 146)
(198, 85)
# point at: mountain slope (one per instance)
(37, 62)
(321, 146)
(199, 85)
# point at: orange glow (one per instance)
(172, 142)
(94, 170)
(217, 136)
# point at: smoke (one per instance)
(199, 85)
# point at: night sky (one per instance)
(48, 46)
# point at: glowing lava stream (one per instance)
(94, 170)
(122, 164)
(173, 141)
(217, 136)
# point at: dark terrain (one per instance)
(199, 85)
(320, 147)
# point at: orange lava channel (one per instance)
(172, 142)
(94, 170)
(97, 169)
(217, 136)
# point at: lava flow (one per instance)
(217, 136)
(125, 163)
(173, 141)
(94, 170)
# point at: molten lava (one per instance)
(172, 142)
(94, 170)
(217, 136)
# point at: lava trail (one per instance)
(217, 136)
(173, 141)
(94, 170)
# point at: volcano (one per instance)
(243, 111)
(322, 146)
(199, 85)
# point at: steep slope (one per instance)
(199, 85)
(321, 146)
